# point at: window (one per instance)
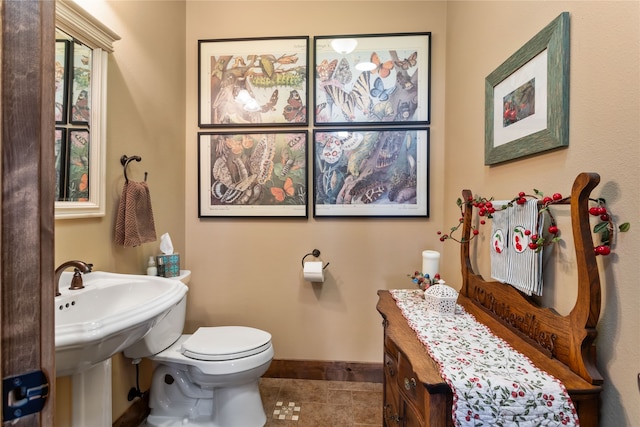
(82, 47)
(73, 119)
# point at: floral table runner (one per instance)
(492, 384)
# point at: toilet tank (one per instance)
(162, 334)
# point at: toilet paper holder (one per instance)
(316, 254)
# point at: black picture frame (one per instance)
(60, 160)
(80, 84)
(371, 172)
(253, 174)
(61, 80)
(78, 168)
(253, 82)
(376, 79)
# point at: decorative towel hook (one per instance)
(315, 253)
(124, 161)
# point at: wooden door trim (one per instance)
(26, 221)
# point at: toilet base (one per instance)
(182, 403)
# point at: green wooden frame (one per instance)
(555, 39)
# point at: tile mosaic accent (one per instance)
(321, 403)
(286, 411)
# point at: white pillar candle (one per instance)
(430, 263)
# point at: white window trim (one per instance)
(78, 23)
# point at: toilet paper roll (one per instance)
(430, 263)
(313, 271)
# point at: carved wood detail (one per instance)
(567, 338)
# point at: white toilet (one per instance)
(207, 379)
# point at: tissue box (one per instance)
(441, 299)
(168, 265)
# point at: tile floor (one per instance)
(312, 403)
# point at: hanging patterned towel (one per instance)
(134, 224)
(499, 242)
(524, 265)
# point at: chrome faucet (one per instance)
(76, 281)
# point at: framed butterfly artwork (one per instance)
(365, 172)
(252, 174)
(253, 82)
(378, 79)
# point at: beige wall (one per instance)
(248, 271)
(604, 138)
(145, 117)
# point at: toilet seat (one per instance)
(221, 343)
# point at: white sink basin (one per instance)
(111, 313)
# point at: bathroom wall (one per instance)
(248, 271)
(145, 117)
(604, 138)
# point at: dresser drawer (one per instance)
(391, 409)
(390, 366)
(409, 385)
(390, 346)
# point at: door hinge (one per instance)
(24, 394)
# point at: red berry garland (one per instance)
(486, 209)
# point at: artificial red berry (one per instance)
(483, 222)
(439, 232)
(527, 232)
(557, 196)
(521, 201)
(489, 205)
(475, 232)
(534, 237)
(603, 250)
(553, 229)
(547, 200)
(533, 245)
(604, 217)
(595, 211)
(521, 194)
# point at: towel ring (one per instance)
(124, 161)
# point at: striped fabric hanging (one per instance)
(499, 242)
(524, 270)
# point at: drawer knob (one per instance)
(390, 369)
(409, 383)
(393, 417)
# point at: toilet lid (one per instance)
(225, 343)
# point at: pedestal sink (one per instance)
(112, 312)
